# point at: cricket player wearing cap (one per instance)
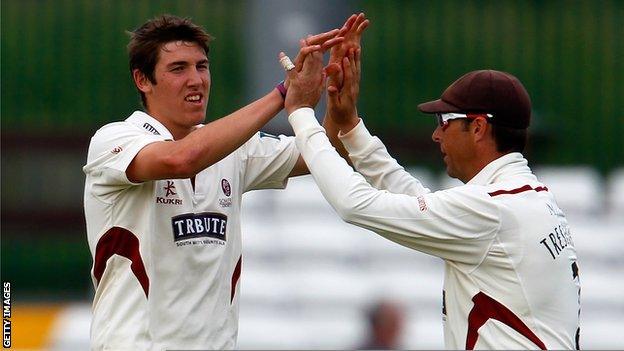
(511, 273)
(163, 196)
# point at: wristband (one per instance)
(281, 88)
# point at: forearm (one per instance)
(205, 146)
(334, 177)
(214, 141)
(371, 158)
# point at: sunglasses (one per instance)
(444, 118)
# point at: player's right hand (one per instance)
(306, 83)
(319, 42)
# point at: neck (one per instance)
(483, 160)
(177, 131)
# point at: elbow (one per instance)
(346, 209)
(181, 165)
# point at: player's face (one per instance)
(457, 149)
(180, 96)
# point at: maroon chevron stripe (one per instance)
(485, 308)
(122, 242)
(235, 277)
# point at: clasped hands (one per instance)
(341, 76)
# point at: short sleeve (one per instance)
(111, 151)
(268, 160)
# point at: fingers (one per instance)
(312, 63)
(331, 42)
(321, 38)
(359, 19)
(362, 27)
(289, 74)
(347, 71)
(358, 61)
(303, 52)
(332, 70)
(348, 24)
(334, 76)
(352, 62)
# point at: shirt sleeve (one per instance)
(457, 224)
(268, 160)
(111, 151)
(371, 159)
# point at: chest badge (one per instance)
(227, 191)
(225, 186)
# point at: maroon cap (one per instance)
(487, 91)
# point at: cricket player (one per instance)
(163, 194)
(511, 273)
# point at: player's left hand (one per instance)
(352, 32)
(341, 101)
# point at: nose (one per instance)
(195, 78)
(435, 136)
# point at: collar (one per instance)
(149, 123)
(509, 164)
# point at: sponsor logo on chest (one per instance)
(170, 195)
(199, 225)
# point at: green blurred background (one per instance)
(64, 74)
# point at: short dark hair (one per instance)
(146, 42)
(507, 139)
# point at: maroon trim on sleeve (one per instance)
(235, 277)
(518, 190)
(485, 308)
(124, 243)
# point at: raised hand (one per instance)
(319, 42)
(352, 32)
(341, 102)
(306, 80)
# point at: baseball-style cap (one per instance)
(487, 91)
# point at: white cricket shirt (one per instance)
(167, 256)
(511, 277)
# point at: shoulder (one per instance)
(464, 200)
(263, 144)
(466, 191)
(518, 187)
(117, 136)
(116, 129)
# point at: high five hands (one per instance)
(306, 80)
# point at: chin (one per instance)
(196, 119)
(450, 172)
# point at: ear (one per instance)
(141, 81)
(479, 128)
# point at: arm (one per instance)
(306, 80)
(368, 154)
(207, 145)
(457, 224)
